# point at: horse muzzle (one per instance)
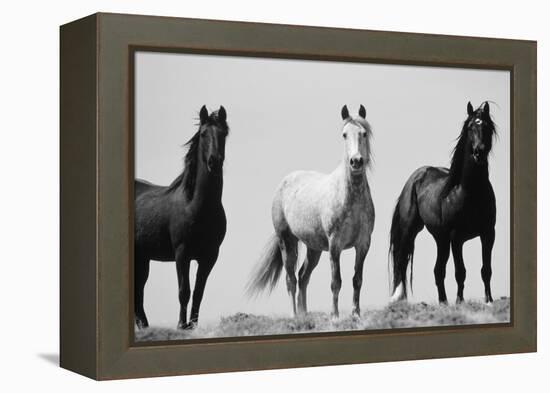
(357, 163)
(479, 156)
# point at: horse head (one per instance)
(213, 132)
(356, 132)
(479, 130)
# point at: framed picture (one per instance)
(240, 196)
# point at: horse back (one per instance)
(141, 186)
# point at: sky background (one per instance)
(285, 116)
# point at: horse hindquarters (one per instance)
(406, 223)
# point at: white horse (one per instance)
(331, 213)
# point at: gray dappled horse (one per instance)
(331, 213)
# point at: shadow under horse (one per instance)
(184, 221)
(455, 205)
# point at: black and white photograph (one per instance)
(277, 196)
(285, 196)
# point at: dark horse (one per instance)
(184, 221)
(456, 205)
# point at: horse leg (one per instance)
(443, 250)
(141, 273)
(289, 252)
(310, 262)
(336, 282)
(487, 241)
(460, 269)
(184, 290)
(203, 271)
(360, 254)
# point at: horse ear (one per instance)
(222, 115)
(362, 112)
(470, 109)
(485, 108)
(203, 114)
(345, 113)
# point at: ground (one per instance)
(398, 315)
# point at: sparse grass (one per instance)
(399, 315)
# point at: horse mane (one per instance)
(458, 156)
(366, 126)
(189, 175)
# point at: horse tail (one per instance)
(406, 223)
(268, 270)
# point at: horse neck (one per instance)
(208, 187)
(352, 185)
(473, 176)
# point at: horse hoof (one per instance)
(187, 326)
(459, 300)
(142, 324)
(356, 314)
(399, 294)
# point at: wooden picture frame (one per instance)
(97, 178)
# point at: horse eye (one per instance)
(345, 135)
(364, 134)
